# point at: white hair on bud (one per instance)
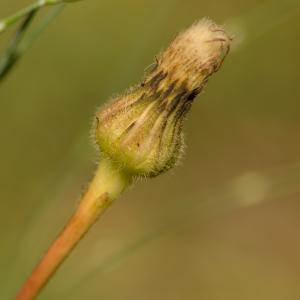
(197, 52)
(204, 39)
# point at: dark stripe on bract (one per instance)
(169, 89)
(154, 81)
(181, 95)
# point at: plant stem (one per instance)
(107, 184)
(21, 43)
(7, 22)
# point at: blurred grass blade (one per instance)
(21, 42)
(23, 13)
(11, 56)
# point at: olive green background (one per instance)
(224, 224)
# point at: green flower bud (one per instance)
(141, 130)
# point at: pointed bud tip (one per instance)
(205, 39)
(197, 52)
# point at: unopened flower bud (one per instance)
(141, 130)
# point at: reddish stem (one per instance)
(93, 204)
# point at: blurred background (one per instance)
(223, 225)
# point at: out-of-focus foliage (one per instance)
(224, 225)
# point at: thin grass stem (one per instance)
(22, 41)
(11, 20)
(11, 56)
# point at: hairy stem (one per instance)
(107, 185)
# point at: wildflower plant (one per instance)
(139, 134)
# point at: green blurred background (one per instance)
(223, 225)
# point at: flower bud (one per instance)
(141, 130)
